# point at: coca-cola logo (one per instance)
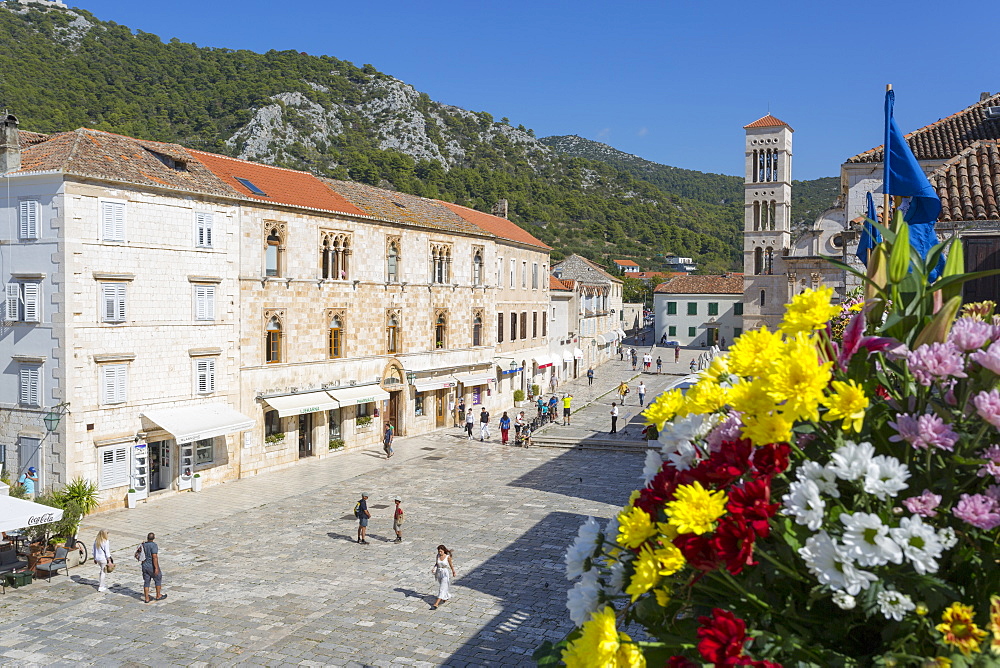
(35, 520)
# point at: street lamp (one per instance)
(410, 377)
(513, 366)
(52, 418)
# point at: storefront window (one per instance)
(204, 451)
(272, 423)
(363, 410)
(418, 404)
(334, 421)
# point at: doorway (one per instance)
(305, 435)
(712, 337)
(160, 476)
(440, 408)
(391, 413)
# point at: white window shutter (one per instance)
(12, 302)
(108, 468)
(121, 466)
(32, 299)
(203, 227)
(120, 305)
(113, 221)
(205, 372)
(28, 213)
(210, 302)
(113, 297)
(204, 302)
(108, 376)
(121, 382)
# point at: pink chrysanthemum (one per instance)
(989, 358)
(924, 432)
(979, 510)
(988, 406)
(970, 334)
(936, 361)
(924, 504)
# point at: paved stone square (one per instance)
(265, 571)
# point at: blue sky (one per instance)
(671, 81)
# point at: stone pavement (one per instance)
(266, 571)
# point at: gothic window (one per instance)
(758, 261)
(324, 258)
(477, 329)
(392, 333)
(392, 262)
(477, 267)
(762, 298)
(756, 216)
(272, 341)
(273, 252)
(440, 264)
(440, 330)
(342, 257)
(336, 337)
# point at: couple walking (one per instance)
(148, 556)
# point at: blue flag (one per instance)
(904, 178)
(869, 236)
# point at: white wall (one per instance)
(729, 323)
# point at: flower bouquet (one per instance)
(816, 500)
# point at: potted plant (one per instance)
(336, 444)
(363, 421)
(81, 495)
(518, 398)
(274, 439)
(130, 499)
(196, 483)
(535, 390)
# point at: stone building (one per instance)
(186, 313)
(699, 311)
(597, 304)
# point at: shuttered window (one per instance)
(113, 302)
(30, 391)
(203, 229)
(32, 307)
(204, 302)
(22, 302)
(12, 301)
(28, 213)
(113, 221)
(114, 467)
(114, 383)
(204, 372)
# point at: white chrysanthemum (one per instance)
(683, 457)
(824, 477)
(886, 476)
(583, 548)
(867, 540)
(653, 463)
(948, 538)
(681, 430)
(583, 598)
(852, 460)
(844, 601)
(616, 583)
(831, 565)
(920, 543)
(894, 605)
(804, 503)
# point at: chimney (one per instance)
(10, 145)
(500, 208)
(984, 96)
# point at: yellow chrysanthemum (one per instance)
(662, 596)
(750, 398)
(695, 509)
(652, 566)
(634, 527)
(767, 428)
(810, 310)
(600, 645)
(705, 397)
(718, 370)
(936, 662)
(959, 628)
(752, 353)
(848, 403)
(667, 406)
(798, 379)
(994, 625)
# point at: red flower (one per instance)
(699, 551)
(730, 462)
(733, 543)
(770, 460)
(750, 503)
(680, 662)
(722, 638)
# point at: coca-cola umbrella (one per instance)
(19, 514)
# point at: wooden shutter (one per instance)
(205, 371)
(32, 294)
(121, 382)
(113, 221)
(204, 302)
(107, 468)
(12, 301)
(29, 385)
(203, 226)
(114, 378)
(114, 302)
(28, 219)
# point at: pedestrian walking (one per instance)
(148, 554)
(102, 557)
(642, 393)
(444, 571)
(567, 408)
(659, 365)
(663, 340)
(647, 361)
(723, 343)
(544, 417)
(470, 420)
(363, 514)
(553, 407)
(614, 418)
(677, 354)
(504, 428)
(484, 424)
(622, 391)
(635, 359)
(28, 480)
(621, 352)
(519, 424)
(539, 402)
(397, 520)
(387, 439)
(694, 365)
(590, 376)
(461, 411)
(553, 382)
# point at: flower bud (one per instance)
(921, 609)
(936, 331)
(953, 266)
(899, 256)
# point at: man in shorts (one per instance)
(150, 554)
(363, 515)
(567, 404)
(397, 521)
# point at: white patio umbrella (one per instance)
(19, 514)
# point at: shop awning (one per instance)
(611, 336)
(567, 356)
(543, 361)
(194, 423)
(351, 396)
(431, 384)
(470, 379)
(306, 402)
(504, 364)
(601, 340)
(621, 334)
(577, 353)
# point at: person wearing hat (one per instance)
(361, 512)
(28, 480)
(397, 521)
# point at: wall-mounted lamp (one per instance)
(52, 418)
(410, 377)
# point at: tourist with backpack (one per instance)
(148, 555)
(361, 512)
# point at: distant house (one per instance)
(684, 264)
(699, 310)
(598, 297)
(626, 266)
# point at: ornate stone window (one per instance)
(392, 260)
(477, 328)
(274, 249)
(272, 339)
(440, 263)
(336, 335)
(758, 260)
(335, 254)
(440, 329)
(392, 332)
(477, 266)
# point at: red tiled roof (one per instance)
(400, 206)
(768, 121)
(495, 225)
(728, 284)
(282, 186)
(969, 184)
(946, 138)
(556, 284)
(625, 263)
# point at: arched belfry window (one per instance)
(756, 216)
(769, 261)
(272, 341)
(758, 261)
(762, 295)
(336, 337)
(440, 331)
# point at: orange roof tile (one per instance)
(394, 205)
(625, 263)
(727, 284)
(556, 284)
(969, 184)
(283, 186)
(768, 121)
(496, 225)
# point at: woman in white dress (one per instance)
(102, 557)
(444, 570)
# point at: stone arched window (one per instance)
(392, 342)
(440, 330)
(756, 216)
(762, 298)
(477, 328)
(769, 261)
(342, 257)
(758, 261)
(336, 336)
(477, 267)
(440, 263)
(392, 262)
(274, 250)
(325, 270)
(272, 341)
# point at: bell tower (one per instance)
(767, 226)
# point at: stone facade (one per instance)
(596, 308)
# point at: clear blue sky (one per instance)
(671, 81)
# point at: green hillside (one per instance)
(67, 69)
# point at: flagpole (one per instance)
(885, 173)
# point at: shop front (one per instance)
(308, 409)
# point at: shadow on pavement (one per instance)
(573, 474)
(524, 578)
